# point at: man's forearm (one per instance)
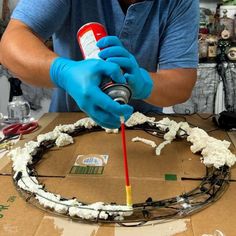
(172, 86)
(25, 55)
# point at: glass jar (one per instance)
(18, 110)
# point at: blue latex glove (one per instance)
(81, 79)
(138, 78)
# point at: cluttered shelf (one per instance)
(217, 33)
(215, 89)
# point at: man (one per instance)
(156, 47)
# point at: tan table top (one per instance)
(146, 173)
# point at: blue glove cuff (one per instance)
(57, 65)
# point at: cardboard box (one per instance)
(62, 172)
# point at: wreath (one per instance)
(211, 188)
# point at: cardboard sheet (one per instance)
(153, 176)
(219, 216)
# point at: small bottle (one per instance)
(202, 43)
(212, 48)
(203, 50)
(18, 110)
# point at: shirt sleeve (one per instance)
(44, 17)
(179, 42)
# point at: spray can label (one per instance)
(87, 37)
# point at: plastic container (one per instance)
(18, 110)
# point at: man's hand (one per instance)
(81, 79)
(137, 78)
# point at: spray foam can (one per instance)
(87, 37)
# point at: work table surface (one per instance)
(147, 176)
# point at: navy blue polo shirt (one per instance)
(161, 34)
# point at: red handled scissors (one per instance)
(20, 129)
